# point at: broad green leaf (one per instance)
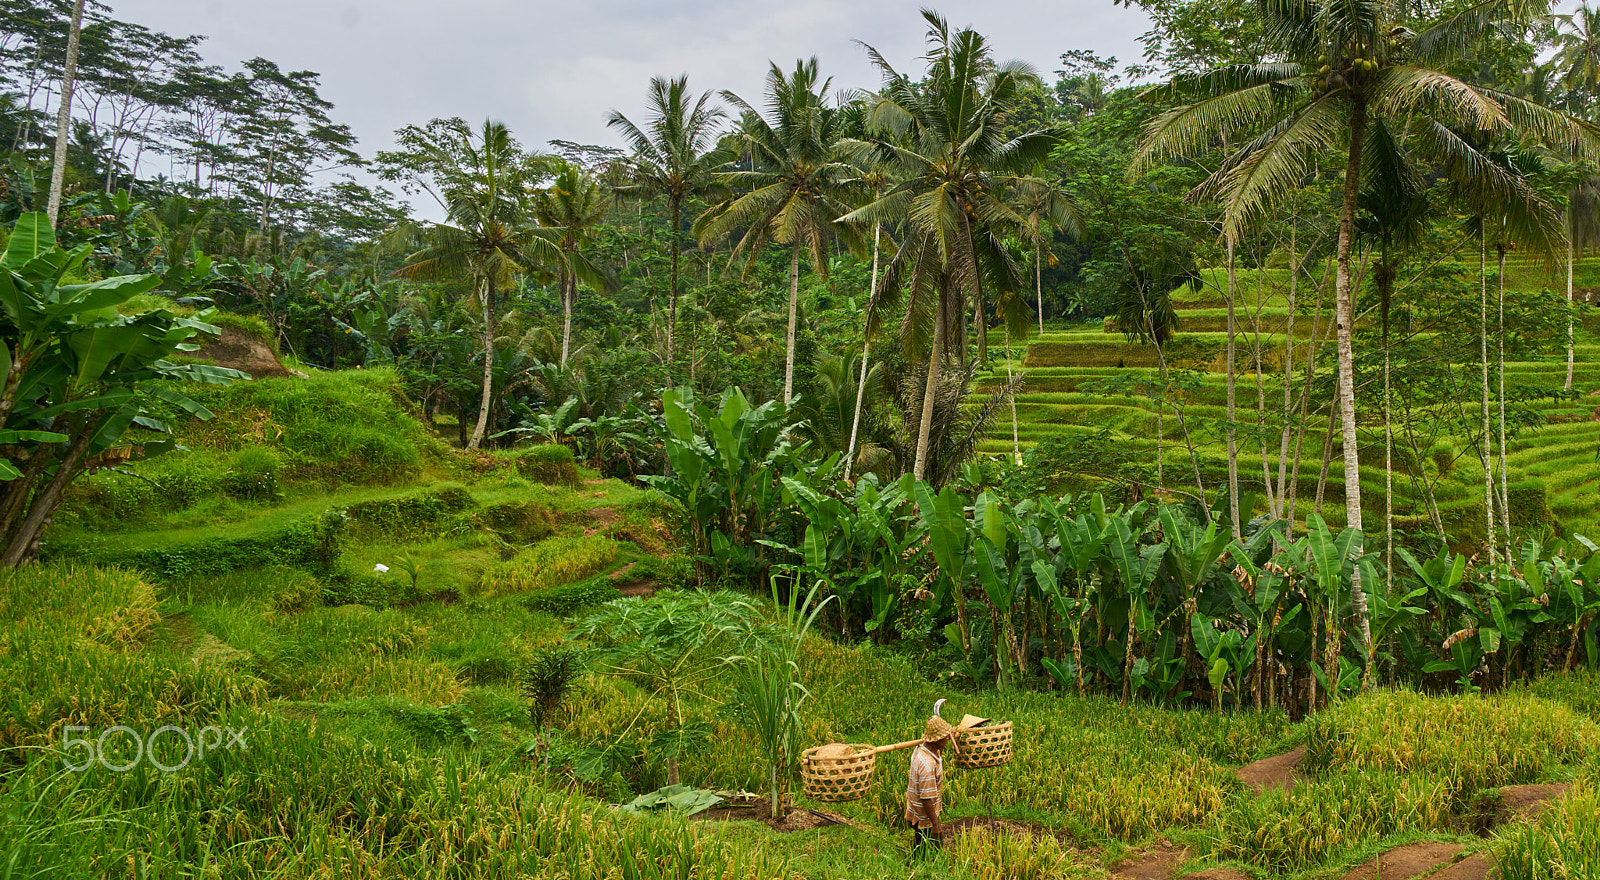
(31, 236)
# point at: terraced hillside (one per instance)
(1084, 379)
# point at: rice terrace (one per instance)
(581, 441)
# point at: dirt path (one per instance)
(1528, 801)
(1403, 863)
(1281, 772)
(1474, 867)
(1159, 863)
(631, 586)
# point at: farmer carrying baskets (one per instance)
(925, 787)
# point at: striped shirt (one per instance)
(927, 779)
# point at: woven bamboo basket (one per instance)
(837, 772)
(988, 746)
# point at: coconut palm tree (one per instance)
(1045, 205)
(674, 156)
(953, 163)
(1336, 68)
(1576, 65)
(69, 70)
(575, 203)
(797, 186)
(483, 181)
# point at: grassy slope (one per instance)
(387, 739)
(1078, 379)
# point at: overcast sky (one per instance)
(554, 70)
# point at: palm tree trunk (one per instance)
(1485, 454)
(58, 167)
(1038, 280)
(569, 284)
(487, 301)
(1261, 395)
(1500, 331)
(925, 429)
(1288, 378)
(1345, 306)
(1233, 436)
(672, 295)
(866, 354)
(1386, 279)
(977, 295)
(1571, 255)
(794, 305)
(1016, 445)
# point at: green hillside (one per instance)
(1087, 378)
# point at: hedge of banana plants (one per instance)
(1151, 601)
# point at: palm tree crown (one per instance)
(797, 186)
(674, 155)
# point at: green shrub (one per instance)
(385, 590)
(168, 483)
(550, 464)
(1529, 503)
(409, 516)
(253, 475)
(520, 522)
(549, 563)
(295, 590)
(568, 599)
(344, 427)
(310, 543)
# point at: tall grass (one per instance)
(1563, 843)
(549, 563)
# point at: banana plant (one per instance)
(1464, 646)
(725, 476)
(1579, 599)
(1333, 559)
(1223, 650)
(1079, 545)
(1263, 604)
(1192, 556)
(944, 518)
(77, 376)
(1391, 614)
(1136, 566)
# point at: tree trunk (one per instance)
(925, 429)
(1261, 397)
(487, 301)
(672, 295)
(794, 306)
(1345, 306)
(1485, 453)
(866, 354)
(1038, 281)
(1386, 282)
(58, 167)
(569, 284)
(1288, 381)
(1571, 255)
(1016, 445)
(1500, 331)
(24, 542)
(1233, 435)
